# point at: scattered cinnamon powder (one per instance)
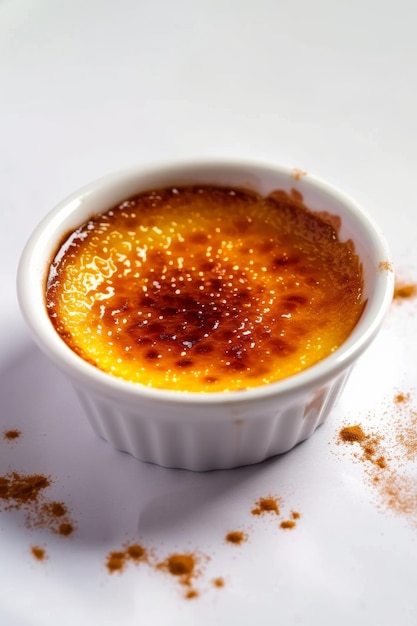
(386, 266)
(387, 456)
(53, 516)
(136, 552)
(351, 434)
(26, 492)
(407, 439)
(38, 553)
(369, 444)
(18, 490)
(401, 397)
(405, 425)
(266, 505)
(117, 560)
(236, 537)
(65, 529)
(404, 291)
(187, 568)
(57, 509)
(11, 435)
(184, 568)
(270, 504)
(287, 524)
(297, 174)
(181, 565)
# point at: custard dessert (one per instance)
(205, 289)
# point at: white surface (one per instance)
(87, 88)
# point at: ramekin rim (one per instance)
(315, 375)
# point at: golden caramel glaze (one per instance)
(204, 289)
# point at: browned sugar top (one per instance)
(205, 288)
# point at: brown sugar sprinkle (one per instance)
(402, 291)
(287, 524)
(266, 505)
(38, 553)
(11, 435)
(295, 514)
(236, 537)
(218, 582)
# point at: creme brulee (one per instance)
(205, 289)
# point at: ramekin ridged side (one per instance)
(195, 439)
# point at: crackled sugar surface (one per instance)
(205, 289)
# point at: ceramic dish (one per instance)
(210, 430)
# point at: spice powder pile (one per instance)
(25, 492)
(117, 560)
(272, 505)
(38, 553)
(12, 434)
(236, 537)
(187, 568)
(388, 456)
(184, 568)
(403, 291)
(266, 505)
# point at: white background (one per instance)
(87, 87)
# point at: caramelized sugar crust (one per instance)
(205, 289)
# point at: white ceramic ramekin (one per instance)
(213, 430)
